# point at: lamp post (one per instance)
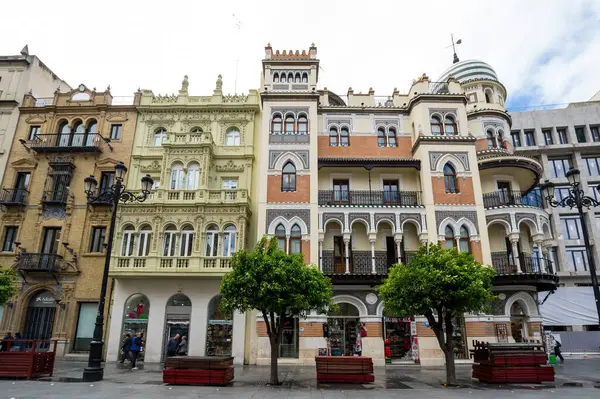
(577, 199)
(116, 193)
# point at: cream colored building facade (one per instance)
(172, 250)
(19, 75)
(358, 182)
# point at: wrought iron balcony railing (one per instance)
(38, 262)
(13, 196)
(505, 264)
(76, 142)
(369, 198)
(360, 263)
(58, 196)
(512, 198)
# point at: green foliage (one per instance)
(8, 279)
(440, 279)
(269, 280)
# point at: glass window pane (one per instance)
(85, 326)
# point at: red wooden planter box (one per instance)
(28, 358)
(352, 369)
(190, 370)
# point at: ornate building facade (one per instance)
(172, 250)
(357, 183)
(50, 233)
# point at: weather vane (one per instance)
(454, 44)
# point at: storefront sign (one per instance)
(413, 328)
(225, 322)
(398, 319)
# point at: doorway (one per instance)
(398, 335)
(177, 319)
(343, 325)
(339, 254)
(518, 322)
(390, 248)
(39, 319)
(504, 193)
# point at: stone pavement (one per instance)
(575, 378)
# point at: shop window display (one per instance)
(398, 337)
(289, 338)
(135, 319)
(219, 332)
(458, 338)
(343, 327)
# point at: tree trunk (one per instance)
(274, 356)
(450, 367)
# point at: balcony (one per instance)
(360, 266)
(189, 138)
(38, 262)
(55, 197)
(225, 196)
(103, 198)
(289, 138)
(13, 197)
(527, 269)
(165, 265)
(79, 142)
(525, 170)
(512, 198)
(369, 198)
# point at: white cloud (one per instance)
(380, 44)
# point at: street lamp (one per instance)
(577, 199)
(116, 193)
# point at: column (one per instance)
(321, 255)
(398, 242)
(542, 261)
(287, 243)
(515, 254)
(373, 269)
(347, 253)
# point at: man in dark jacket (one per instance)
(126, 347)
(6, 342)
(136, 347)
(172, 346)
(558, 352)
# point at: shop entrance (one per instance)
(219, 332)
(39, 320)
(398, 335)
(518, 322)
(343, 324)
(177, 320)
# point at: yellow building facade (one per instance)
(50, 233)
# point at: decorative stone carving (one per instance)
(387, 216)
(338, 216)
(303, 214)
(456, 216)
(434, 158)
(354, 216)
(154, 166)
(54, 212)
(275, 154)
(230, 166)
(235, 98)
(371, 298)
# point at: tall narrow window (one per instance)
(547, 136)
(193, 176)
(304, 77)
(436, 125)
(78, 134)
(488, 96)
(212, 235)
(501, 143)
(344, 137)
(229, 238)
(106, 182)
(595, 130)
(295, 240)
(34, 132)
(90, 134)
(529, 138)
(464, 240)
(127, 242)
(580, 133)
(187, 241)
(516, 138)
(97, 239)
(51, 240)
(276, 124)
(232, 137)
(391, 192)
(449, 238)
(64, 134)
(176, 176)
(144, 241)
(380, 137)
(450, 126)
(288, 177)
(491, 138)
(333, 137)
(283, 78)
(276, 78)
(21, 187)
(115, 132)
(297, 78)
(450, 179)
(562, 136)
(392, 137)
(302, 124)
(290, 77)
(160, 136)
(289, 124)
(341, 190)
(10, 235)
(280, 234)
(169, 241)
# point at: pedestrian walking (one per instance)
(18, 344)
(136, 347)
(6, 342)
(557, 351)
(126, 347)
(182, 348)
(172, 346)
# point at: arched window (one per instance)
(187, 241)
(288, 177)
(78, 134)
(169, 241)
(280, 234)
(296, 240)
(196, 130)
(333, 137)
(464, 242)
(304, 77)
(135, 317)
(344, 137)
(144, 240)
(289, 124)
(449, 238)
(219, 334)
(276, 124)
(283, 78)
(501, 139)
(450, 179)
(450, 126)
(193, 176)
(91, 131)
(160, 136)
(211, 240)
(229, 238)
(290, 77)
(276, 78)
(491, 138)
(392, 137)
(380, 137)
(436, 125)
(64, 134)
(297, 78)
(176, 176)
(128, 241)
(302, 124)
(488, 96)
(233, 136)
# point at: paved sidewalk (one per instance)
(300, 382)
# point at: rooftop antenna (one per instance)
(454, 44)
(238, 24)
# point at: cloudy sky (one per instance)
(544, 51)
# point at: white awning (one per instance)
(569, 306)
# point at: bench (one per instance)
(353, 369)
